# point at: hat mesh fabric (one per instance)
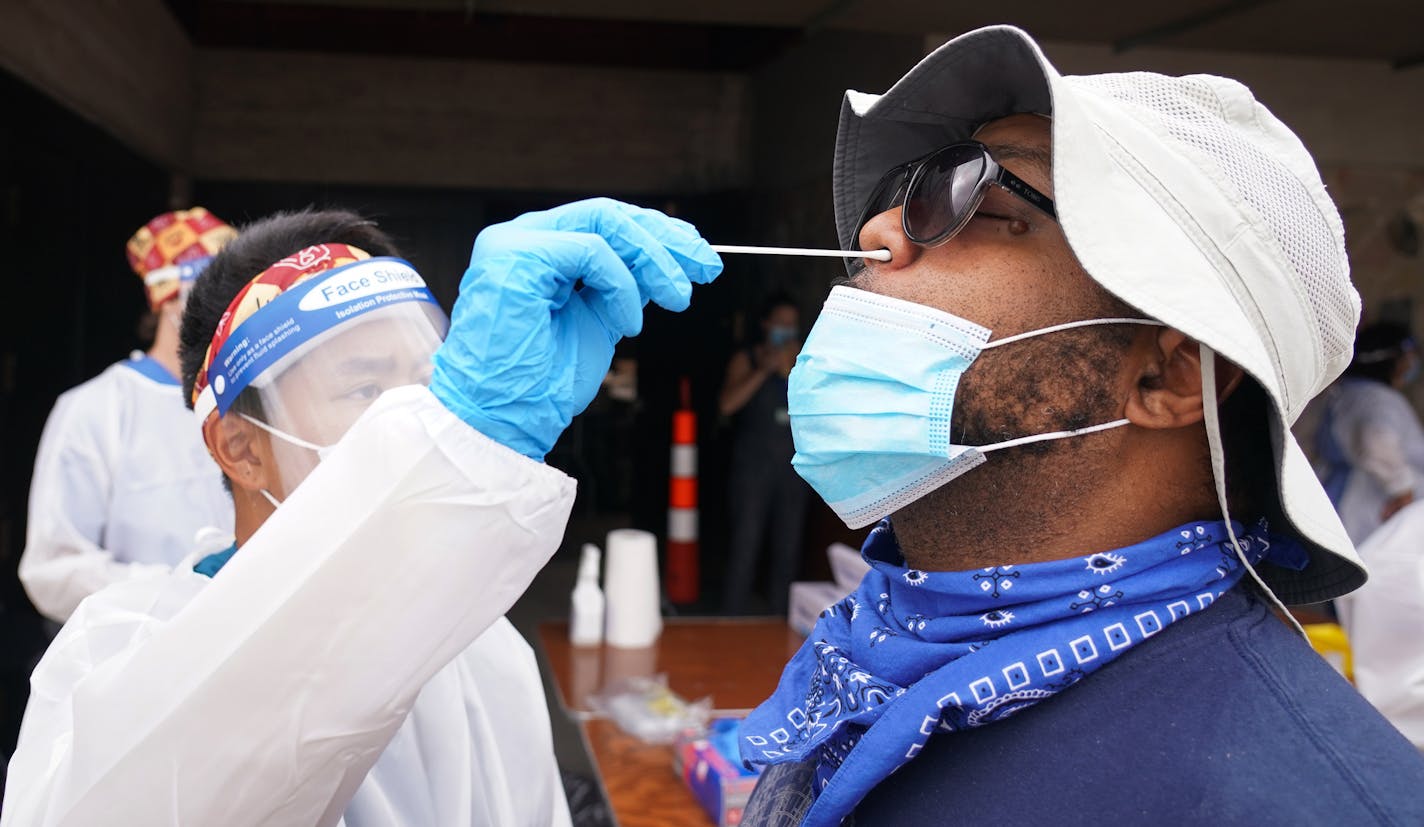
(1190, 111)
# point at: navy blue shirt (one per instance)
(1225, 717)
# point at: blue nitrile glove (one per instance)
(527, 352)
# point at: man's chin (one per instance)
(927, 516)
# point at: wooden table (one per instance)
(735, 661)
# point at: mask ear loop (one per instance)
(283, 435)
(1066, 326)
(1218, 474)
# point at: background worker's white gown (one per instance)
(350, 660)
(1373, 450)
(122, 484)
(1384, 618)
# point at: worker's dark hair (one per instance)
(1378, 349)
(780, 298)
(146, 329)
(258, 246)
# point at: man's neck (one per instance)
(1040, 508)
(165, 346)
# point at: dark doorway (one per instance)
(72, 196)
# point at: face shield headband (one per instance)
(289, 305)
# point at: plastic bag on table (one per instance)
(646, 708)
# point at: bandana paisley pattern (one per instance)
(911, 653)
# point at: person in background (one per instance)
(1370, 442)
(121, 482)
(344, 659)
(766, 499)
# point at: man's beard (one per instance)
(1059, 382)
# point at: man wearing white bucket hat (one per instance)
(345, 659)
(1081, 628)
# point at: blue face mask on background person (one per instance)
(779, 335)
(872, 395)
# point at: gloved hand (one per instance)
(527, 351)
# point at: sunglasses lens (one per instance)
(945, 194)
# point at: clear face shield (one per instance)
(311, 358)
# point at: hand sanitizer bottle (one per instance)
(586, 617)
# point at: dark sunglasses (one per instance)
(940, 192)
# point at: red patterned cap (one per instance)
(174, 247)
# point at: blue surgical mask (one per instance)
(779, 335)
(871, 398)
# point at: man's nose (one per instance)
(885, 232)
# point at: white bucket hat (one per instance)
(1183, 197)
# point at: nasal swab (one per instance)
(877, 255)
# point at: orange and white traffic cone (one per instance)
(682, 548)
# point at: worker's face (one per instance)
(319, 397)
(1011, 270)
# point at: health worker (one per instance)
(346, 659)
(122, 483)
(1370, 442)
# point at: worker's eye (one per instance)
(363, 393)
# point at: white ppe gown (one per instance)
(349, 665)
(122, 483)
(1383, 619)
(1373, 447)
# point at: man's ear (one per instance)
(1168, 392)
(241, 450)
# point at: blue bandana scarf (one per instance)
(910, 652)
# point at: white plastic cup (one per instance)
(630, 586)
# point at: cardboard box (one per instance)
(712, 768)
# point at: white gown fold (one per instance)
(1383, 619)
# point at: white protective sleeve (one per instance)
(267, 698)
(1382, 620)
(63, 561)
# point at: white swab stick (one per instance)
(877, 255)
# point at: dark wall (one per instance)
(72, 196)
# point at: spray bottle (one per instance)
(586, 615)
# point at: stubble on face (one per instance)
(1012, 270)
(1061, 381)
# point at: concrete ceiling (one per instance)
(1391, 31)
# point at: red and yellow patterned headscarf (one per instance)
(266, 286)
(159, 251)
